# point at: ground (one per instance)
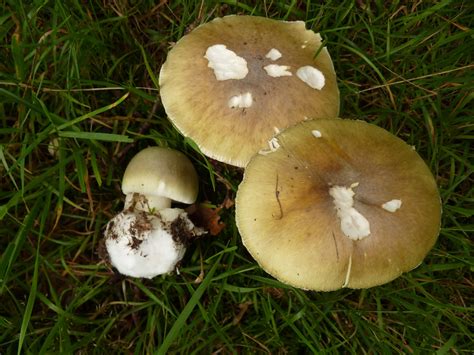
(79, 96)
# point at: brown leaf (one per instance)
(274, 292)
(243, 308)
(206, 217)
(227, 203)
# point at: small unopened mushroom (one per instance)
(148, 237)
(340, 203)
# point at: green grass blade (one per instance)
(148, 67)
(93, 113)
(107, 137)
(34, 280)
(180, 322)
(10, 255)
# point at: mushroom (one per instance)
(230, 83)
(148, 237)
(338, 203)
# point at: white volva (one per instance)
(225, 63)
(241, 101)
(311, 76)
(275, 70)
(392, 205)
(353, 224)
(139, 245)
(273, 54)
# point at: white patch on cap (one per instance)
(226, 64)
(241, 101)
(273, 54)
(311, 76)
(276, 70)
(273, 145)
(276, 130)
(392, 205)
(353, 224)
(316, 133)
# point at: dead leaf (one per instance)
(274, 292)
(243, 308)
(206, 217)
(227, 203)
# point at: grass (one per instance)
(85, 74)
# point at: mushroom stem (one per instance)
(139, 202)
